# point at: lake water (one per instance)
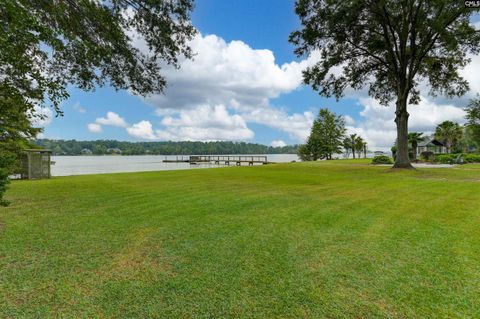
(80, 165)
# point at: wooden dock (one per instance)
(219, 159)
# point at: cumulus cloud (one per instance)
(378, 126)
(233, 82)
(41, 116)
(230, 84)
(142, 130)
(204, 123)
(94, 128)
(278, 143)
(349, 120)
(222, 73)
(112, 119)
(297, 125)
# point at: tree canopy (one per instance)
(47, 45)
(354, 143)
(473, 118)
(390, 47)
(449, 133)
(325, 138)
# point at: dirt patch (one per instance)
(142, 258)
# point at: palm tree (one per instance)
(414, 138)
(349, 143)
(364, 149)
(358, 145)
(449, 133)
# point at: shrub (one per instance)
(427, 156)
(445, 158)
(382, 159)
(472, 158)
(7, 166)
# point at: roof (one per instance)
(430, 142)
(37, 150)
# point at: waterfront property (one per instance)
(431, 145)
(326, 239)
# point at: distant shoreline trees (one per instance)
(106, 147)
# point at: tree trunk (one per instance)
(402, 160)
(353, 152)
(414, 147)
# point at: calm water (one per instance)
(79, 165)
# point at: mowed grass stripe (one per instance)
(338, 239)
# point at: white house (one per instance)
(431, 145)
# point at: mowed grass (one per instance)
(338, 239)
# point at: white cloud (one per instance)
(77, 107)
(297, 125)
(221, 72)
(378, 126)
(41, 116)
(204, 123)
(236, 76)
(142, 130)
(94, 128)
(349, 120)
(112, 119)
(243, 80)
(278, 143)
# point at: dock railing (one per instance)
(218, 159)
(228, 159)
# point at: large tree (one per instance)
(325, 137)
(390, 46)
(47, 45)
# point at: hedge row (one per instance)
(455, 158)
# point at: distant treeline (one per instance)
(104, 147)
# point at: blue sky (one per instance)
(234, 90)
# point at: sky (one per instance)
(244, 84)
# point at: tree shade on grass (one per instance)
(302, 240)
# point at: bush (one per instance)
(427, 156)
(472, 158)
(7, 166)
(382, 159)
(457, 158)
(445, 158)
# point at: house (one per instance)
(431, 145)
(114, 151)
(87, 151)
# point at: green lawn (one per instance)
(303, 240)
